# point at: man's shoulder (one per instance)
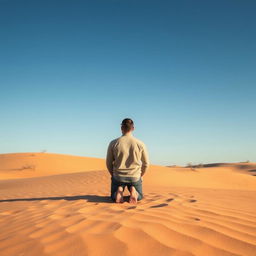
(139, 142)
(114, 141)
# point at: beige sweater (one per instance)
(127, 158)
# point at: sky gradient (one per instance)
(184, 71)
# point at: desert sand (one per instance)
(59, 205)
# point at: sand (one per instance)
(54, 204)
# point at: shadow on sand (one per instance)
(87, 198)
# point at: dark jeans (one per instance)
(115, 184)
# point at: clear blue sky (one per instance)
(184, 71)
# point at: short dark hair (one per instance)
(127, 124)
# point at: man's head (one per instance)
(127, 125)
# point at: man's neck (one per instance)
(127, 134)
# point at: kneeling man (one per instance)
(127, 161)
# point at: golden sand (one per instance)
(59, 205)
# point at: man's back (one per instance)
(127, 157)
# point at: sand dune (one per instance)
(27, 165)
(208, 211)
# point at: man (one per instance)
(127, 161)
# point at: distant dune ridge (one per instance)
(53, 204)
(27, 165)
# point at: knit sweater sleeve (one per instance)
(110, 158)
(144, 159)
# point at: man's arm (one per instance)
(144, 160)
(110, 159)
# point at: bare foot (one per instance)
(119, 195)
(133, 195)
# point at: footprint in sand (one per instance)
(131, 207)
(192, 200)
(158, 205)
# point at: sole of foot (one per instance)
(133, 196)
(119, 195)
